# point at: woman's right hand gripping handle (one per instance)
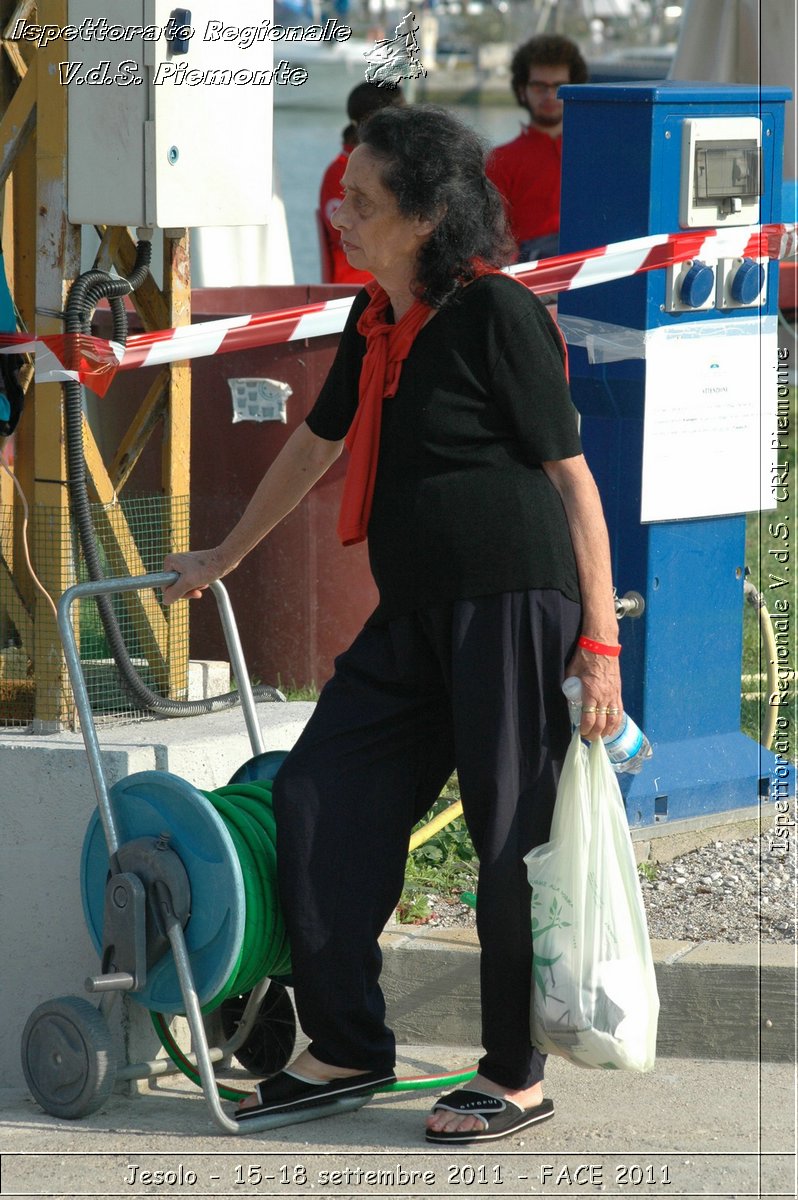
(197, 569)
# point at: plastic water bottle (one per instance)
(627, 749)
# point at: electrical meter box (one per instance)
(721, 179)
(169, 113)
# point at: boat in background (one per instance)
(333, 68)
(631, 64)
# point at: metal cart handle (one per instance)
(134, 583)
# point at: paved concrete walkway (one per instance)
(689, 1128)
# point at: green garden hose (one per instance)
(247, 812)
(408, 1084)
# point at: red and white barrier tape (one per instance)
(95, 361)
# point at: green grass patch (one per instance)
(445, 865)
(648, 870)
(294, 691)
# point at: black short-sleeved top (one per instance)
(462, 506)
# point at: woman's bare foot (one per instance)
(450, 1122)
(310, 1068)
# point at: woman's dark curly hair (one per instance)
(435, 167)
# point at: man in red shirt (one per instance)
(527, 170)
(362, 101)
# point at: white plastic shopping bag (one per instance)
(594, 997)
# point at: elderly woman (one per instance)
(490, 552)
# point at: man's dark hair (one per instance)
(435, 167)
(368, 98)
(547, 50)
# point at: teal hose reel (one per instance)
(226, 843)
(179, 894)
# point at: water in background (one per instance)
(306, 141)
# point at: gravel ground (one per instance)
(737, 891)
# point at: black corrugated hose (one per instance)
(84, 296)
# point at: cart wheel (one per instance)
(67, 1057)
(271, 1041)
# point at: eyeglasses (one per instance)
(538, 88)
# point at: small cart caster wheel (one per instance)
(67, 1057)
(271, 1041)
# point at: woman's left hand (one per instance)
(602, 707)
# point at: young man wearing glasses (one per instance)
(527, 170)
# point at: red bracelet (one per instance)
(586, 643)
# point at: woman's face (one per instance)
(375, 236)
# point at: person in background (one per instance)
(12, 396)
(527, 170)
(489, 549)
(363, 100)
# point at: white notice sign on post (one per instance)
(710, 418)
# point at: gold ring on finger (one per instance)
(613, 712)
(602, 710)
(589, 710)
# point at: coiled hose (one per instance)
(247, 813)
(84, 296)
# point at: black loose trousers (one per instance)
(475, 685)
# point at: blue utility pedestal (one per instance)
(642, 159)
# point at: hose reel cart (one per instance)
(177, 888)
(180, 899)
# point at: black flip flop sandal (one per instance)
(501, 1117)
(285, 1092)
